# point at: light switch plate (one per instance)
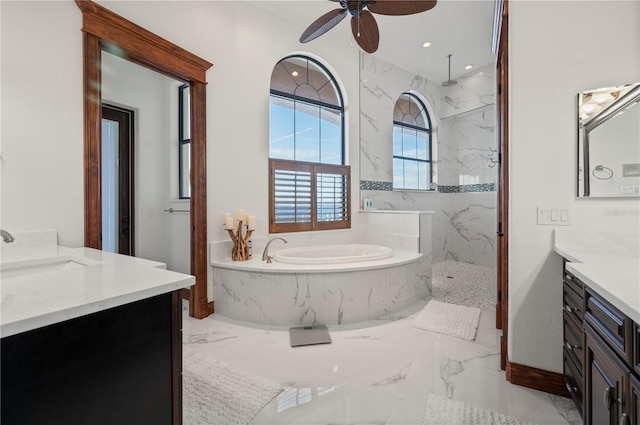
(554, 216)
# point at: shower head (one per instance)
(449, 82)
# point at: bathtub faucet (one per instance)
(265, 254)
(6, 236)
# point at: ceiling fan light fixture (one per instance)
(363, 25)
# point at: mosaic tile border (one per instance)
(375, 185)
(466, 188)
(462, 188)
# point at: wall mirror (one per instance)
(609, 142)
(103, 29)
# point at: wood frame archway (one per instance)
(102, 28)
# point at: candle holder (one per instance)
(240, 250)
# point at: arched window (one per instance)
(308, 181)
(412, 144)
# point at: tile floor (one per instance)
(379, 372)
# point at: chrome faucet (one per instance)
(6, 236)
(265, 254)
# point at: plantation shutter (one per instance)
(308, 196)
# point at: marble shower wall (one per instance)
(463, 120)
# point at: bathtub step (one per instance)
(309, 335)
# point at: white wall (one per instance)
(42, 104)
(557, 49)
(42, 177)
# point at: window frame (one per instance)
(428, 131)
(314, 168)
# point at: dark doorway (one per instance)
(117, 180)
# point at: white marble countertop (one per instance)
(607, 262)
(64, 283)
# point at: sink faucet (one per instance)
(265, 254)
(6, 236)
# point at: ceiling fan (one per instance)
(363, 24)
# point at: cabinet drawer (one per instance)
(573, 381)
(573, 304)
(573, 341)
(574, 283)
(636, 350)
(611, 324)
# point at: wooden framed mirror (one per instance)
(100, 28)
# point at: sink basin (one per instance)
(43, 265)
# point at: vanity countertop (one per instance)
(607, 262)
(49, 284)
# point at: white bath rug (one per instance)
(442, 411)
(449, 319)
(464, 284)
(216, 393)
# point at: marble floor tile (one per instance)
(374, 373)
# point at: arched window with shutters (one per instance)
(308, 180)
(412, 144)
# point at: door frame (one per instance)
(502, 262)
(101, 29)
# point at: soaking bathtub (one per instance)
(327, 284)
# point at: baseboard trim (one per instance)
(538, 379)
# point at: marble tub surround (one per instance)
(463, 224)
(607, 262)
(86, 281)
(399, 230)
(286, 294)
(330, 294)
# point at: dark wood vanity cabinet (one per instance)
(573, 343)
(607, 383)
(601, 356)
(636, 349)
(117, 366)
(634, 394)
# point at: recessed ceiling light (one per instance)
(294, 73)
(426, 44)
(468, 67)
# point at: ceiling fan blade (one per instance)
(323, 24)
(400, 7)
(365, 31)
